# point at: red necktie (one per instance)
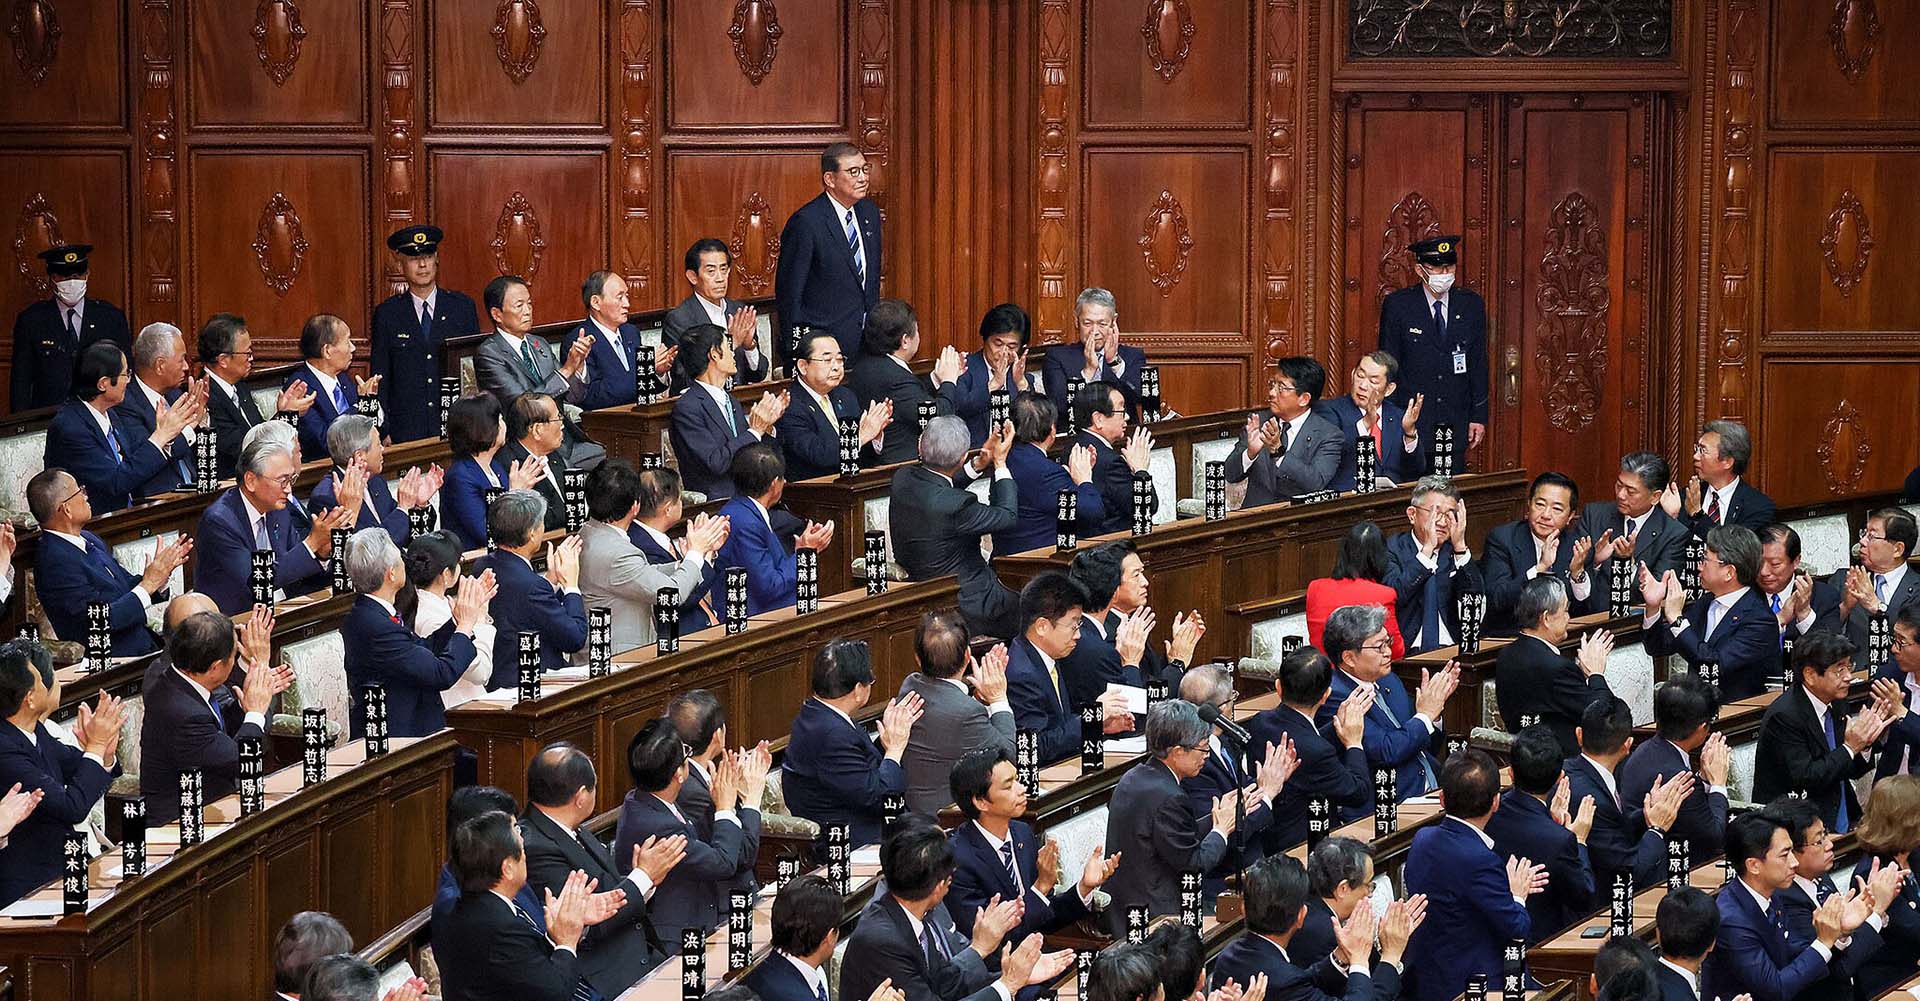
(1713, 507)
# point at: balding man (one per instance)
(159, 380)
(252, 515)
(76, 569)
(355, 483)
(382, 650)
(937, 523)
(327, 346)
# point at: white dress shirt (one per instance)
(156, 401)
(1579, 589)
(725, 400)
(1432, 562)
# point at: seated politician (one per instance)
(1430, 565)
(1534, 823)
(477, 433)
(1099, 356)
(1683, 712)
(884, 371)
(619, 576)
(1289, 449)
(492, 949)
(225, 348)
(1117, 586)
(1628, 837)
(253, 515)
(709, 269)
(160, 378)
(615, 348)
(1633, 529)
(106, 452)
(1358, 578)
(1100, 411)
(434, 571)
(1543, 543)
(326, 348)
(1000, 364)
(809, 429)
(527, 600)
(1882, 584)
(1754, 954)
(937, 523)
(185, 727)
(1814, 884)
(832, 772)
(1279, 897)
(76, 568)
(1399, 728)
(1050, 617)
(1332, 763)
(1040, 480)
(536, 439)
(65, 780)
(359, 457)
(1537, 684)
(1368, 410)
(1209, 688)
(709, 427)
(514, 360)
(998, 856)
(1800, 603)
(804, 936)
(964, 704)
(1812, 743)
(661, 505)
(759, 478)
(1730, 625)
(381, 650)
(466, 803)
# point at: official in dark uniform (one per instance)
(49, 334)
(1439, 333)
(410, 332)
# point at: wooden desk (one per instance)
(365, 846)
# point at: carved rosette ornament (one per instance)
(517, 33)
(1411, 220)
(1847, 244)
(755, 243)
(1168, 29)
(279, 244)
(1843, 449)
(517, 241)
(1165, 243)
(1855, 34)
(277, 34)
(35, 31)
(756, 35)
(37, 230)
(1573, 300)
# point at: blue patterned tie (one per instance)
(1006, 859)
(1426, 770)
(1840, 824)
(853, 244)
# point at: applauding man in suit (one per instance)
(1399, 729)
(186, 727)
(1633, 530)
(832, 773)
(955, 721)
(526, 600)
(759, 480)
(1277, 895)
(91, 438)
(1290, 449)
(65, 781)
(810, 429)
(1367, 411)
(611, 379)
(1333, 764)
(226, 352)
(1541, 544)
(1882, 583)
(1811, 744)
(1534, 681)
(381, 650)
(885, 372)
(998, 857)
(1100, 411)
(1683, 709)
(1755, 953)
(1098, 357)
(1730, 625)
(709, 426)
(77, 569)
(1718, 495)
(1628, 836)
(709, 269)
(1539, 819)
(937, 522)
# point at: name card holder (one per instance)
(530, 680)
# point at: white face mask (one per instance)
(70, 290)
(1439, 284)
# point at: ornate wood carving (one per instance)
(1573, 301)
(1855, 34)
(1411, 219)
(1735, 200)
(35, 30)
(1278, 250)
(1513, 28)
(517, 241)
(875, 27)
(1847, 243)
(756, 35)
(1168, 29)
(277, 36)
(1165, 242)
(397, 122)
(517, 34)
(755, 242)
(1843, 449)
(159, 214)
(279, 244)
(37, 230)
(634, 219)
(1050, 314)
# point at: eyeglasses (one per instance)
(1282, 387)
(248, 353)
(828, 360)
(1383, 647)
(544, 420)
(77, 491)
(1901, 642)
(1436, 512)
(1866, 535)
(283, 482)
(860, 171)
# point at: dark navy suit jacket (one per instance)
(44, 350)
(1114, 479)
(413, 669)
(1245, 844)
(392, 517)
(751, 543)
(76, 444)
(834, 773)
(980, 874)
(1796, 908)
(70, 579)
(694, 893)
(1523, 827)
(1508, 557)
(810, 438)
(1251, 955)
(1745, 643)
(1703, 815)
(223, 554)
(72, 783)
(409, 360)
(1039, 705)
(1403, 746)
(611, 380)
(319, 417)
(463, 499)
(702, 444)
(1407, 333)
(1063, 362)
(775, 979)
(1408, 577)
(818, 283)
(1393, 462)
(1619, 841)
(1326, 769)
(1040, 480)
(1902, 736)
(973, 401)
(693, 617)
(527, 601)
(1467, 882)
(1749, 507)
(136, 412)
(1753, 956)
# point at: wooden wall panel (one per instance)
(227, 905)
(50, 197)
(277, 237)
(742, 198)
(1202, 381)
(279, 63)
(62, 62)
(1179, 65)
(1848, 62)
(1167, 234)
(757, 64)
(1833, 235)
(518, 63)
(541, 216)
(1837, 426)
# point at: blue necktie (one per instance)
(853, 245)
(339, 398)
(113, 442)
(1430, 606)
(1440, 318)
(1426, 770)
(930, 940)
(1840, 824)
(1774, 600)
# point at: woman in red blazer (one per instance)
(1358, 572)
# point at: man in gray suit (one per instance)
(953, 719)
(1633, 529)
(709, 269)
(615, 573)
(937, 523)
(1289, 449)
(514, 360)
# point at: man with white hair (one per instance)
(159, 374)
(359, 457)
(937, 522)
(1098, 357)
(286, 436)
(253, 515)
(381, 650)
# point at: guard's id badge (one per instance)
(1459, 362)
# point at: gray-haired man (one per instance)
(937, 523)
(382, 650)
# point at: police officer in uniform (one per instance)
(410, 330)
(1439, 333)
(48, 335)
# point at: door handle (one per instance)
(1510, 376)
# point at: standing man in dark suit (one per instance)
(1040, 480)
(1627, 836)
(254, 515)
(1813, 885)
(226, 353)
(492, 949)
(701, 721)
(1881, 583)
(1050, 627)
(1221, 772)
(1439, 333)
(104, 451)
(1290, 449)
(1337, 771)
(1101, 412)
(1687, 922)
(1368, 410)
(327, 347)
(1099, 356)
(998, 857)
(1539, 819)
(1278, 900)
(184, 727)
(965, 704)
(561, 787)
(1534, 681)
(1399, 728)
(49, 334)
(1682, 710)
(809, 431)
(526, 600)
(66, 780)
(1000, 364)
(535, 431)
(1482, 894)
(76, 568)
(1718, 495)
(1800, 604)
(885, 372)
(1539, 544)
(1113, 573)
(709, 267)
(806, 930)
(160, 380)
(1755, 953)
(1634, 529)
(1429, 565)
(830, 256)
(610, 377)
(937, 523)
(709, 426)
(1730, 625)
(410, 331)
(1808, 746)
(832, 773)
(381, 650)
